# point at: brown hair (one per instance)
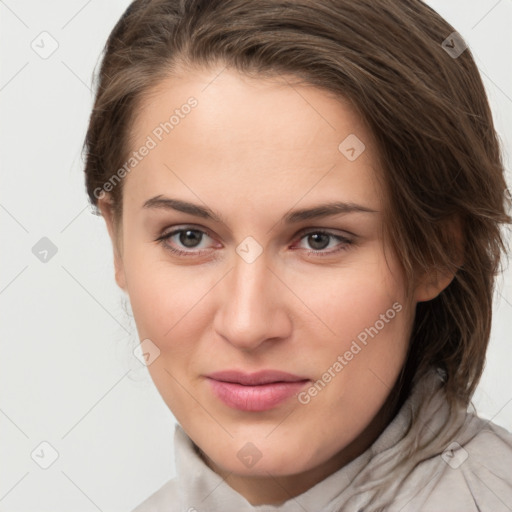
(427, 109)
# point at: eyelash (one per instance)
(192, 253)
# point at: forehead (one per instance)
(221, 130)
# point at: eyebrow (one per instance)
(323, 210)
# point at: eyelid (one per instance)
(300, 234)
(330, 231)
(184, 227)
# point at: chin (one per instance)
(261, 458)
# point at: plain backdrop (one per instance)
(67, 373)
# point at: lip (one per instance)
(259, 391)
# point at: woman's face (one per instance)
(282, 267)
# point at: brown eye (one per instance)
(190, 238)
(186, 241)
(318, 241)
(315, 243)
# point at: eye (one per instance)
(185, 241)
(319, 240)
(190, 241)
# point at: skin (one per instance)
(252, 151)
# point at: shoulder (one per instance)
(474, 474)
(166, 498)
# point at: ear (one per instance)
(433, 282)
(106, 208)
(431, 285)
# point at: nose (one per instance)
(253, 306)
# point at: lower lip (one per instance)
(255, 398)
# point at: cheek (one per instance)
(349, 301)
(161, 294)
(367, 309)
(361, 341)
(167, 302)
(168, 306)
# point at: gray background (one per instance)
(67, 372)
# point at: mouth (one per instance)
(255, 392)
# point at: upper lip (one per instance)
(256, 378)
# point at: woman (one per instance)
(305, 202)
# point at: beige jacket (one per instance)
(468, 471)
